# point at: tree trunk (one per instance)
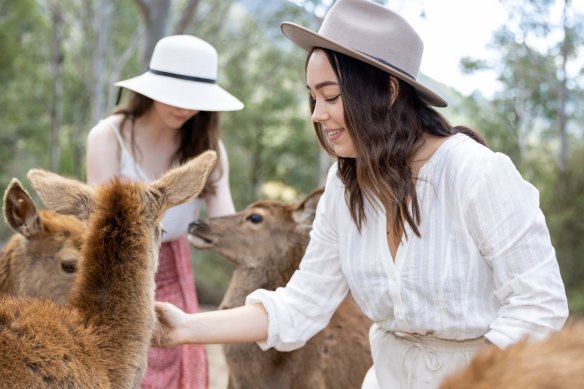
(118, 66)
(562, 102)
(187, 16)
(156, 16)
(56, 106)
(101, 20)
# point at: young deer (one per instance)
(101, 339)
(267, 240)
(555, 362)
(41, 259)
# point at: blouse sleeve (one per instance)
(509, 229)
(304, 307)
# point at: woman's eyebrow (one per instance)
(322, 84)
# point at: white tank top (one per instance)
(176, 220)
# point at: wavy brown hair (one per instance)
(386, 139)
(198, 134)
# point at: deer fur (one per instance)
(267, 241)
(101, 339)
(42, 257)
(556, 362)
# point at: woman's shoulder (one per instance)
(106, 126)
(465, 156)
(473, 165)
(467, 149)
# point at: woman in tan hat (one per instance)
(171, 115)
(439, 239)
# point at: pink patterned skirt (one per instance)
(183, 367)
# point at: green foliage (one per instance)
(272, 138)
(565, 209)
(23, 111)
(576, 301)
(271, 141)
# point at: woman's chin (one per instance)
(344, 152)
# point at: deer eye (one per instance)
(255, 218)
(69, 267)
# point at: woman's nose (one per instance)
(187, 111)
(319, 114)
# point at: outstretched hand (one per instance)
(170, 324)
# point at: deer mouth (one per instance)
(200, 242)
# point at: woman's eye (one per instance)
(333, 99)
(255, 218)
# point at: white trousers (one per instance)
(409, 361)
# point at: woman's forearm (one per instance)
(244, 324)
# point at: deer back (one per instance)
(553, 362)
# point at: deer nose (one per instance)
(197, 224)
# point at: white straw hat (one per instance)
(183, 73)
(370, 33)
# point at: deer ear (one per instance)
(187, 181)
(306, 211)
(66, 196)
(20, 212)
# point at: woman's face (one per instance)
(173, 117)
(324, 88)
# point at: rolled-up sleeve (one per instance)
(304, 307)
(504, 219)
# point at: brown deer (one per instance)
(267, 241)
(101, 339)
(41, 259)
(556, 362)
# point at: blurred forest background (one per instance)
(60, 58)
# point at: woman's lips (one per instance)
(333, 135)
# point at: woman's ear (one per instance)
(393, 89)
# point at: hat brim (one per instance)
(308, 40)
(179, 93)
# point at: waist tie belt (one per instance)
(421, 345)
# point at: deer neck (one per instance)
(246, 279)
(7, 267)
(5, 284)
(115, 287)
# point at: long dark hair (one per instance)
(198, 134)
(386, 139)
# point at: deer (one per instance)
(556, 361)
(43, 255)
(266, 241)
(101, 338)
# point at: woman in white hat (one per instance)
(440, 240)
(170, 116)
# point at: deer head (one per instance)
(265, 229)
(42, 258)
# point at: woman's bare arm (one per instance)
(244, 324)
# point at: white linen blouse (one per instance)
(483, 266)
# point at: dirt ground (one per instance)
(217, 367)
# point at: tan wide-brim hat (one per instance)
(370, 33)
(183, 73)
